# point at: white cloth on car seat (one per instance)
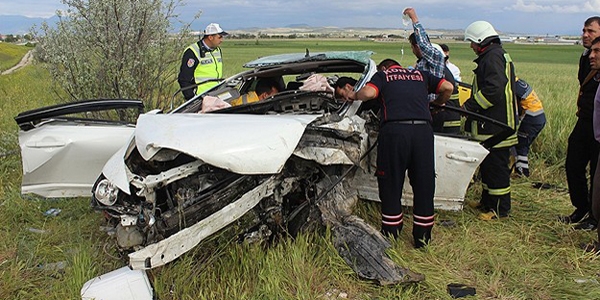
(210, 103)
(316, 83)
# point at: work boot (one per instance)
(575, 217)
(586, 224)
(593, 247)
(391, 232)
(491, 215)
(476, 205)
(422, 237)
(522, 171)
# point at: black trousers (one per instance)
(402, 148)
(582, 150)
(596, 199)
(495, 177)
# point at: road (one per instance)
(27, 58)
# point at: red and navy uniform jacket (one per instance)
(402, 93)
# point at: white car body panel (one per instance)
(63, 160)
(243, 144)
(455, 163)
(120, 284)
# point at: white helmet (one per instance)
(479, 31)
(438, 48)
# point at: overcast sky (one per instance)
(511, 16)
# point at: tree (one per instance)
(119, 49)
(10, 38)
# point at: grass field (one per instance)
(528, 256)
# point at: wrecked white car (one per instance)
(298, 158)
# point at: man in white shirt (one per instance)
(453, 68)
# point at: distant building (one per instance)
(507, 39)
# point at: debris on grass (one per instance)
(53, 212)
(35, 230)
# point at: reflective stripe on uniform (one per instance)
(423, 221)
(508, 91)
(509, 141)
(392, 220)
(496, 192)
(456, 123)
(482, 101)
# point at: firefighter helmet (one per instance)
(478, 31)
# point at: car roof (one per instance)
(362, 57)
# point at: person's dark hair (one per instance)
(342, 81)
(413, 39)
(264, 85)
(445, 47)
(596, 41)
(590, 20)
(388, 62)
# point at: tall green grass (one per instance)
(528, 256)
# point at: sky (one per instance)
(539, 17)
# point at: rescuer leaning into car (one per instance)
(405, 142)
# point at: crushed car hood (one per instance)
(244, 144)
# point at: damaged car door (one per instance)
(64, 147)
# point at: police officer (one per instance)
(201, 61)
(492, 96)
(405, 142)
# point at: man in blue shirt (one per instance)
(429, 58)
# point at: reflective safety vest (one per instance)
(210, 66)
(529, 101)
(251, 97)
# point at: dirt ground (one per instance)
(27, 58)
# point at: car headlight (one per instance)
(106, 192)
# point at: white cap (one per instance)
(214, 28)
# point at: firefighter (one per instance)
(492, 96)
(405, 142)
(202, 61)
